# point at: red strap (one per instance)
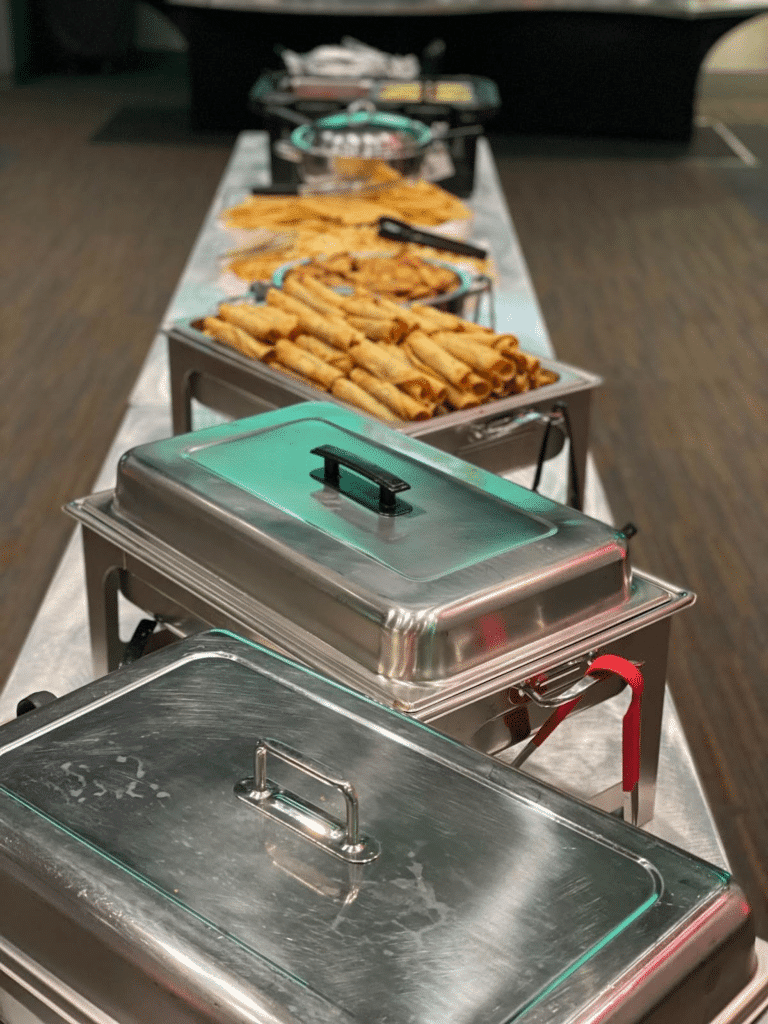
(611, 664)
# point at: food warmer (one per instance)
(217, 834)
(501, 436)
(458, 103)
(444, 591)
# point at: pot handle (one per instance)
(287, 151)
(606, 665)
(343, 841)
(498, 428)
(386, 504)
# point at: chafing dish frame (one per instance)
(91, 914)
(187, 598)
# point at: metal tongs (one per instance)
(399, 231)
(605, 665)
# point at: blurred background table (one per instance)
(622, 68)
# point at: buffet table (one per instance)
(57, 648)
(56, 655)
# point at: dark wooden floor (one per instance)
(650, 271)
(653, 273)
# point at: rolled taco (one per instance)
(264, 323)
(454, 370)
(297, 359)
(238, 339)
(405, 407)
(350, 392)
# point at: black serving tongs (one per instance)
(399, 231)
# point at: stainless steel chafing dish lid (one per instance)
(469, 566)
(149, 874)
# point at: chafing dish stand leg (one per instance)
(103, 567)
(213, 380)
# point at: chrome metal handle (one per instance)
(575, 690)
(569, 680)
(300, 815)
(504, 426)
(573, 681)
(356, 106)
(287, 151)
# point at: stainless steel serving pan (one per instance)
(216, 834)
(441, 611)
(499, 436)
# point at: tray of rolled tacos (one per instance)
(463, 387)
(394, 362)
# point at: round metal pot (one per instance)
(348, 149)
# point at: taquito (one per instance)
(238, 339)
(296, 358)
(405, 407)
(264, 324)
(350, 392)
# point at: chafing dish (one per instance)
(427, 583)
(465, 285)
(501, 436)
(217, 834)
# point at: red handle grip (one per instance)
(614, 665)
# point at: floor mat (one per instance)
(153, 125)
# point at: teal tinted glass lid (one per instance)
(410, 517)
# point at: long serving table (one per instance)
(56, 654)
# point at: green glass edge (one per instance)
(464, 277)
(585, 957)
(144, 880)
(420, 131)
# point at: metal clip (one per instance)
(503, 426)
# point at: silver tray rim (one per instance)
(572, 380)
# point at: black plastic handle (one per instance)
(385, 503)
(399, 231)
(135, 647)
(33, 701)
